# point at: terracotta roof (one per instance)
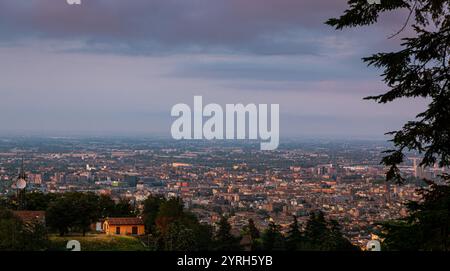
(30, 216)
(125, 221)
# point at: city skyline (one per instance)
(344, 180)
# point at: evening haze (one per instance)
(117, 67)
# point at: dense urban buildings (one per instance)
(344, 179)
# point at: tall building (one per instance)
(131, 180)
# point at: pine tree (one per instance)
(294, 238)
(325, 235)
(150, 212)
(272, 238)
(224, 240)
(420, 69)
(316, 231)
(251, 230)
(427, 227)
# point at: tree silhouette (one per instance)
(179, 238)
(294, 238)
(325, 235)
(174, 229)
(419, 69)
(427, 226)
(252, 233)
(151, 209)
(272, 238)
(224, 240)
(17, 235)
(251, 229)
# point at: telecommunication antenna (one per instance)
(19, 185)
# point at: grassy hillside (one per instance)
(98, 242)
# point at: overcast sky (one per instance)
(116, 66)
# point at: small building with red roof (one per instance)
(124, 226)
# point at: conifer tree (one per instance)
(224, 240)
(272, 238)
(294, 238)
(420, 69)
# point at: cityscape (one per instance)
(225, 126)
(344, 179)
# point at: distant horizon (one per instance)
(119, 66)
(168, 137)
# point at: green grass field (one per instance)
(98, 242)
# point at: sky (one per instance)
(115, 67)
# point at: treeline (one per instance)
(169, 227)
(173, 228)
(17, 236)
(71, 212)
(427, 225)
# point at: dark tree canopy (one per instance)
(251, 230)
(427, 226)
(18, 236)
(171, 228)
(419, 69)
(272, 238)
(294, 238)
(322, 234)
(225, 241)
(76, 211)
(151, 209)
